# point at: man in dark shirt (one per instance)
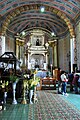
(70, 78)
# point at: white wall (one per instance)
(2, 45)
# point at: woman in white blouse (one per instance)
(64, 82)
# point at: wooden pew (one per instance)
(47, 81)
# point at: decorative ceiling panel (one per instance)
(69, 7)
(30, 19)
(59, 16)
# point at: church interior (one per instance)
(37, 39)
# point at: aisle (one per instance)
(53, 106)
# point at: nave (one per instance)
(50, 106)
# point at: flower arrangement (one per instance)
(3, 85)
(32, 83)
(29, 83)
(31, 80)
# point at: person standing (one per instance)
(70, 77)
(59, 81)
(75, 83)
(64, 82)
(79, 82)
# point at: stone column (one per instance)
(73, 52)
(2, 45)
(17, 49)
(28, 60)
(29, 64)
(55, 53)
(47, 58)
(25, 59)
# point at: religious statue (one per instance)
(37, 42)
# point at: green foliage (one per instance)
(32, 83)
(13, 78)
(4, 84)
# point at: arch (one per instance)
(18, 10)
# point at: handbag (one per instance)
(65, 80)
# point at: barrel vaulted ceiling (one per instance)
(60, 16)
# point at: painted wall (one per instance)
(64, 48)
(9, 43)
(63, 53)
(77, 31)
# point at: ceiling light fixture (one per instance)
(53, 34)
(42, 8)
(23, 33)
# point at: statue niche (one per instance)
(37, 42)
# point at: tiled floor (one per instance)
(14, 112)
(20, 111)
(74, 99)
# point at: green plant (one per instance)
(3, 84)
(13, 78)
(32, 83)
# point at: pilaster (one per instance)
(2, 45)
(73, 53)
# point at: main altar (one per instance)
(37, 51)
